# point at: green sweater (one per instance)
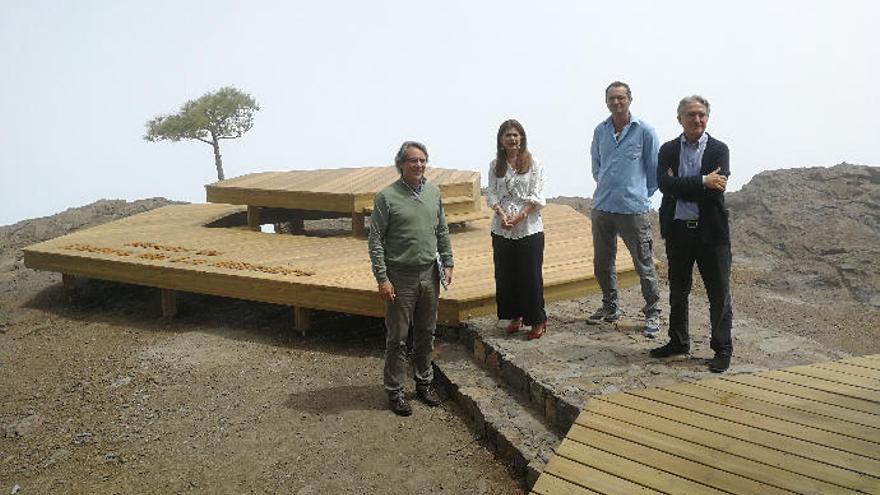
(407, 230)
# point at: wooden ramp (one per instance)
(172, 248)
(807, 429)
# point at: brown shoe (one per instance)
(399, 405)
(428, 395)
(537, 332)
(514, 326)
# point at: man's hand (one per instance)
(386, 291)
(715, 180)
(447, 274)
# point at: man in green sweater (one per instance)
(407, 232)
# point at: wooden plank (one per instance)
(744, 417)
(726, 480)
(747, 462)
(794, 401)
(824, 385)
(600, 481)
(639, 472)
(872, 362)
(851, 369)
(782, 441)
(832, 375)
(550, 484)
(769, 449)
(799, 416)
(806, 392)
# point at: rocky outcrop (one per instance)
(812, 229)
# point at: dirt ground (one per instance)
(101, 395)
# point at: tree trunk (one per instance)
(218, 162)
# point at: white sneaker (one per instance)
(606, 314)
(652, 326)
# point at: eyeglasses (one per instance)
(414, 161)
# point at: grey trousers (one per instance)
(417, 290)
(635, 230)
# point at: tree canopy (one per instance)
(227, 113)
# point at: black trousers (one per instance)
(684, 247)
(519, 278)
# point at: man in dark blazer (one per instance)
(692, 172)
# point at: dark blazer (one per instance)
(714, 225)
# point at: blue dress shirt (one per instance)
(624, 166)
(689, 162)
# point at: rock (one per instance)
(21, 427)
(119, 382)
(819, 225)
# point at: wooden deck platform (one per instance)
(173, 248)
(807, 429)
(343, 191)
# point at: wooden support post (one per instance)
(302, 319)
(358, 224)
(253, 217)
(68, 281)
(297, 224)
(169, 302)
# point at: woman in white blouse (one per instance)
(516, 194)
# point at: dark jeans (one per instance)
(683, 248)
(519, 278)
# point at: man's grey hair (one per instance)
(619, 84)
(400, 157)
(687, 100)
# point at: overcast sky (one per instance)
(343, 83)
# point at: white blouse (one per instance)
(512, 192)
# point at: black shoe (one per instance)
(719, 364)
(399, 405)
(428, 395)
(669, 350)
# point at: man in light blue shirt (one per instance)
(624, 164)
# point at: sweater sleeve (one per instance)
(376, 238)
(444, 244)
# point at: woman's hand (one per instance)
(515, 219)
(504, 219)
